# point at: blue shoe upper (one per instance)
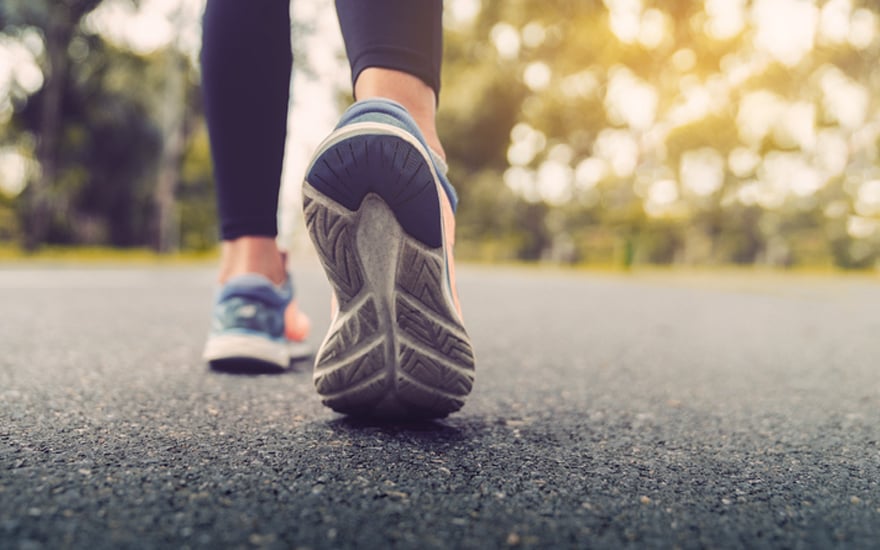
(251, 304)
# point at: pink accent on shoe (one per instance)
(296, 324)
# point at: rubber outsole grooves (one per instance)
(396, 348)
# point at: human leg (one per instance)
(246, 67)
(413, 93)
(395, 50)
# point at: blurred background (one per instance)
(611, 133)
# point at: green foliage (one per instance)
(109, 137)
(196, 200)
(9, 225)
(108, 148)
(486, 94)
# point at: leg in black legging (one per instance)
(246, 66)
(403, 35)
(395, 48)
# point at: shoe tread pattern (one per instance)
(434, 352)
(417, 356)
(334, 247)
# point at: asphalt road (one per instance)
(610, 411)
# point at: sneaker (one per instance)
(379, 210)
(248, 328)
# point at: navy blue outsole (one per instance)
(353, 168)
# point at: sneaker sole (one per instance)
(396, 348)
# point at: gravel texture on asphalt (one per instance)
(645, 411)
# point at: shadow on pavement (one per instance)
(424, 431)
(250, 367)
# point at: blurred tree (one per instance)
(58, 22)
(195, 191)
(678, 128)
(117, 143)
(107, 149)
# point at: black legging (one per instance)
(246, 65)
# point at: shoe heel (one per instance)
(357, 164)
(396, 347)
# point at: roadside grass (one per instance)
(12, 254)
(95, 255)
(660, 270)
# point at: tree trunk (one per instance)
(40, 209)
(40, 205)
(165, 200)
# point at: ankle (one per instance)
(250, 254)
(417, 98)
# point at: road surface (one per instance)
(610, 411)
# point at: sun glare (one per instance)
(625, 19)
(630, 100)
(785, 29)
(702, 171)
(727, 18)
(506, 40)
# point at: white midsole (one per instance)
(244, 346)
